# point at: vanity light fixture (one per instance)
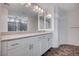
(36, 8)
(27, 4)
(49, 15)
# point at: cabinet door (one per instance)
(15, 48)
(19, 51)
(44, 44)
(34, 46)
(49, 36)
(38, 45)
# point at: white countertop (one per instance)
(11, 37)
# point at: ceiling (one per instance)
(18, 9)
(68, 6)
(47, 6)
(64, 6)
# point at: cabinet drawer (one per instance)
(15, 44)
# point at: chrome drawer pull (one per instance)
(48, 39)
(31, 46)
(15, 44)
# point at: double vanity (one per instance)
(30, 44)
(24, 32)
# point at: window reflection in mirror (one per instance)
(48, 23)
(41, 22)
(11, 24)
(23, 25)
(17, 23)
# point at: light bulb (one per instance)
(22, 3)
(33, 9)
(26, 5)
(49, 15)
(42, 10)
(39, 9)
(36, 7)
(29, 4)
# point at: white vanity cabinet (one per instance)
(44, 44)
(15, 47)
(28, 46)
(49, 37)
(34, 46)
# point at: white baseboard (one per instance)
(55, 46)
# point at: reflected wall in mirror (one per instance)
(41, 22)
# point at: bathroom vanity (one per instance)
(31, 44)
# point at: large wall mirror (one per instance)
(44, 23)
(19, 18)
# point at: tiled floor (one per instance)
(63, 50)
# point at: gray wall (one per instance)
(60, 27)
(3, 19)
(73, 27)
(67, 27)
